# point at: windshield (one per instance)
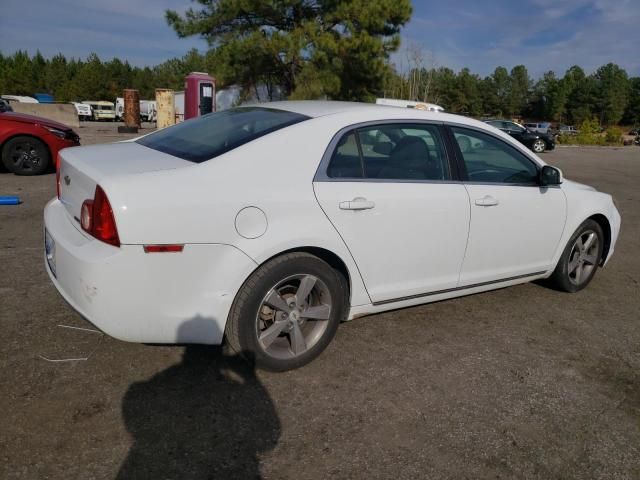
(206, 137)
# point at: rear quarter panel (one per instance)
(199, 203)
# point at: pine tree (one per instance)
(310, 49)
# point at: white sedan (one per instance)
(267, 226)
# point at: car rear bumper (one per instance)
(149, 298)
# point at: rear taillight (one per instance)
(96, 218)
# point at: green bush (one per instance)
(566, 140)
(613, 135)
(589, 133)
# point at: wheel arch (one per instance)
(328, 256)
(603, 221)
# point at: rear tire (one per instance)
(580, 259)
(26, 155)
(287, 312)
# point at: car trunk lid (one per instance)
(82, 168)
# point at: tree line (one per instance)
(341, 50)
(608, 94)
(78, 79)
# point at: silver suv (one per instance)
(542, 127)
(567, 130)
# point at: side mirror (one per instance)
(550, 176)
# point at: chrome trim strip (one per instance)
(448, 290)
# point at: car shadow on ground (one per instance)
(207, 417)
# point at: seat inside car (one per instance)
(410, 159)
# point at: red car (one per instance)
(29, 145)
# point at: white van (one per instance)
(83, 110)
(102, 110)
(19, 99)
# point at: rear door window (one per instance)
(391, 152)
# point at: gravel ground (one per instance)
(523, 382)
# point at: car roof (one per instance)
(320, 108)
(356, 110)
(351, 113)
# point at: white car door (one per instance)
(515, 223)
(387, 190)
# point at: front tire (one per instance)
(580, 259)
(287, 312)
(25, 155)
(539, 146)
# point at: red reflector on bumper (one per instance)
(163, 248)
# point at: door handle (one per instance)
(357, 203)
(487, 201)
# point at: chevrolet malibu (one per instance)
(264, 227)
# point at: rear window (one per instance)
(206, 137)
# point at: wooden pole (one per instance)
(165, 101)
(131, 108)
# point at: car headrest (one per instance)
(410, 152)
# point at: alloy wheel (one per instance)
(24, 156)
(293, 316)
(539, 146)
(583, 257)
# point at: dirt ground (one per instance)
(523, 382)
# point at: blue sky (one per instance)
(541, 34)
